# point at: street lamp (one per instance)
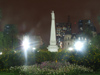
(25, 45)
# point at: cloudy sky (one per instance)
(33, 16)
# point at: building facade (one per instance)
(65, 37)
(61, 30)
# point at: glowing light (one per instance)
(70, 49)
(0, 53)
(25, 43)
(85, 38)
(79, 38)
(15, 51)
(34, 48)
(78, 45)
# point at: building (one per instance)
(66, 39)
(61, 30)
(86, 25)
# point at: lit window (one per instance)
(79, 38)
(85, 38)
(7, 26)
(81, 28)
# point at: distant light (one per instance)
(85, 38)
(0, 53)
(34, 48)
(78, 45)
(70, 49)
(15, 51)
(79, 38)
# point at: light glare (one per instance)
(0, 53)
(34, 48)
(78, 45)
(25, 43)
(70, 48)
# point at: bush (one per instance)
(17, 59)
(49, 69)
(11, 59)
(90, 58)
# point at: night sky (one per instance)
(34, 16)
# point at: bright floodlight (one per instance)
(78, 45)
(25, 43)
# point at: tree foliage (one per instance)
(0, 14)
(1, 39)
(10, 36)
(96, 41)
(87, 32)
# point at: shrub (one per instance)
(12, 59)
(64, 68)
(90, 58)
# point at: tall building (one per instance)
(61, 30)
(86, 25)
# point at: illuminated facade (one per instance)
(61, 30)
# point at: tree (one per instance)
(87, 32)
(96, 41)
(9, 34)
(0, 14)
(1, 41)
(43, 47)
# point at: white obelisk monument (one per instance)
(53, 47)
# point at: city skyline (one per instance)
(34, 16)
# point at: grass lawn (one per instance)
(97, 73)
(5, 73)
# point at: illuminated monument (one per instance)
(53, 47)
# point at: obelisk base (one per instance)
(52, 48)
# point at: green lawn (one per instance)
(98, 73)
(5, 73)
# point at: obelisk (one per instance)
(53, 47)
